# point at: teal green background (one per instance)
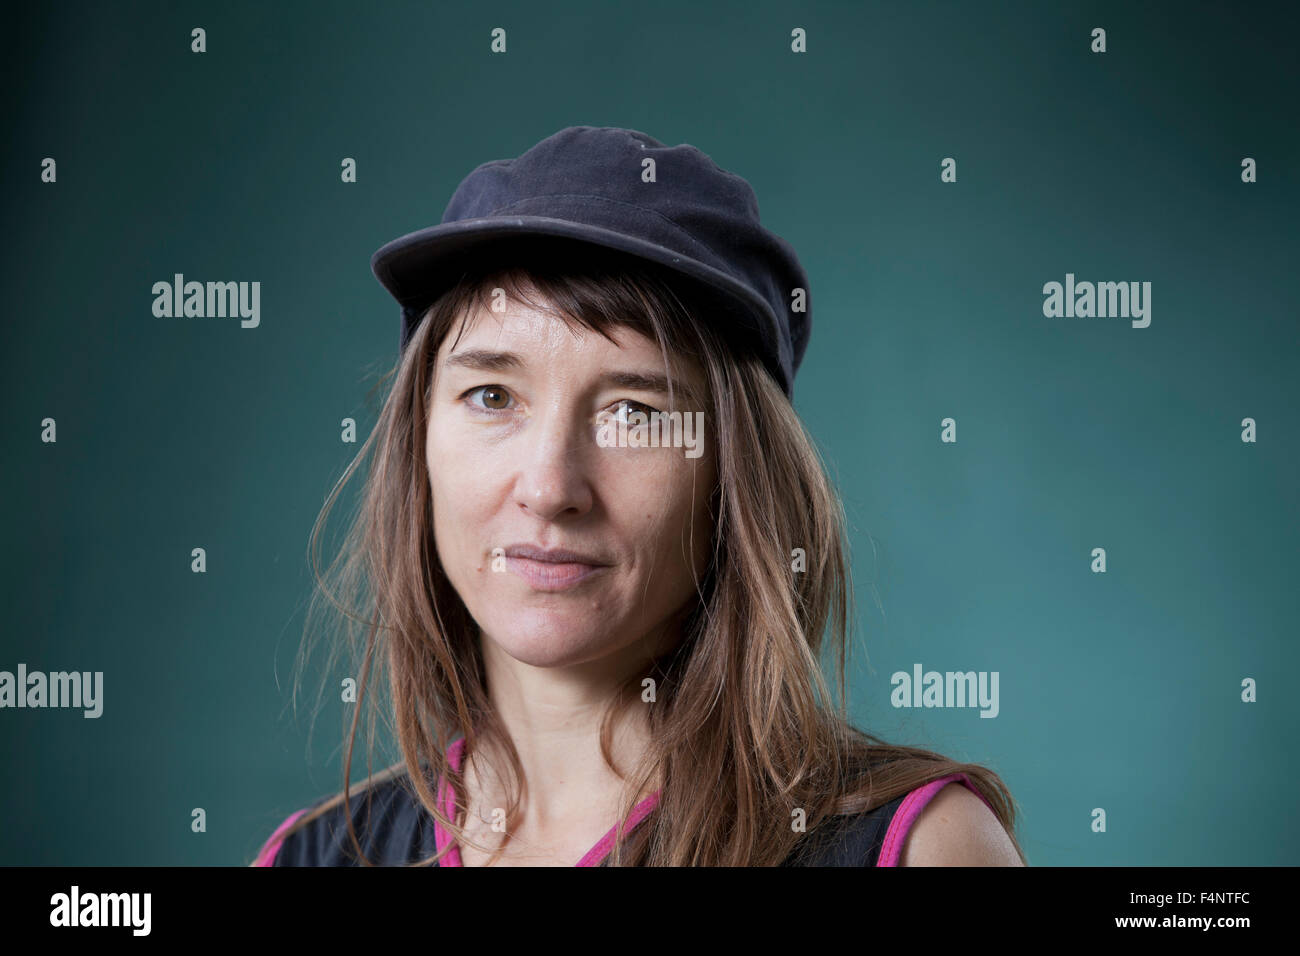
(1118, 690)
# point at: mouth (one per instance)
(554, 569)
(552, 575)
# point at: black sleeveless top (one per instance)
(394, 829)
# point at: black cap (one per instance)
(585, 184)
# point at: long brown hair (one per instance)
(741, 704)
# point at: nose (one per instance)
(553, 482)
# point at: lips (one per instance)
(552, 569)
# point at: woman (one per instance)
(601, 642)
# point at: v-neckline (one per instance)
(593, 857)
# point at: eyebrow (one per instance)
(487, 360)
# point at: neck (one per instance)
(553, 717)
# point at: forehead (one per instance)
(545, 334)
(523, 339)
(542, 330)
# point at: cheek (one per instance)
(457, 457)
(459, 487)
(675, 518)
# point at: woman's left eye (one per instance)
(627, 406)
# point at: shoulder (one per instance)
(951, 826)
(390, 823)
(935, 824)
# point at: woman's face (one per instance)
(517, 458)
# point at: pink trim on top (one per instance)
(447, 804)
(606, 843)
(593, 857)
(892, 849)
(272, 846)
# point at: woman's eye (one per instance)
(495, 398)
(626, 407)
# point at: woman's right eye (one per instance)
(495, 398)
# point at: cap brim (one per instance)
(418, 267)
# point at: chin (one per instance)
(548, 637)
